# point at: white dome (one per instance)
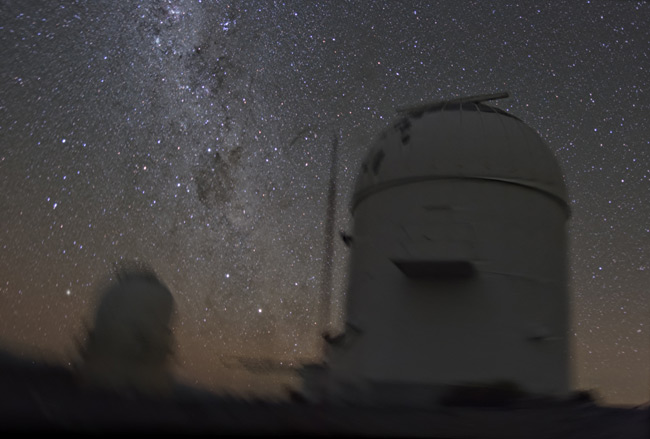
(468, 140)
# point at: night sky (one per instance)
(195, 137)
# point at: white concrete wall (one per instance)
(459, 330)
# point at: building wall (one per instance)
(507, 321)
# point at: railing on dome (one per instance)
(476, 99)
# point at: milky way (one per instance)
(196, 137)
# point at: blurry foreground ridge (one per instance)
(130, 343)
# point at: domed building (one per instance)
(130, 344)
(459, 260)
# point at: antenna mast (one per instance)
(326, 276)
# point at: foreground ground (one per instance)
(45, 398)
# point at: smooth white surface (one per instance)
(461, 144)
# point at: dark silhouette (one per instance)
(130, 344)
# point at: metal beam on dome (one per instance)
(481, 98)
(476, 99)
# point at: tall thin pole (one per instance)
(330, 215)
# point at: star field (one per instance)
(195, 136)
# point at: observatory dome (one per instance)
(464, 139)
